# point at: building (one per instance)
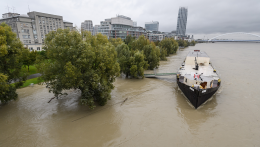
(96, 29)
(182, 21)
(32, 28)
(135, 24)
(87, 25)
(152, 26)
(119, 27)
(155, 36)
(171, 34)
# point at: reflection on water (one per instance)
(155, 113)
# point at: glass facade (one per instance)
(152, 26)
(182, 21)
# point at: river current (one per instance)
(154, 114)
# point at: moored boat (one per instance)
(197, 78)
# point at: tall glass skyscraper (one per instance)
(152, 26)
(182, 21)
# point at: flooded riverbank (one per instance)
(154, 114)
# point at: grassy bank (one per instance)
(32, 69)
(28, 82)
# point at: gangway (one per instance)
(158, 74)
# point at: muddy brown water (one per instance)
(155, 113)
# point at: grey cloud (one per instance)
(204, 16)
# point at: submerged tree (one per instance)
(138, 65)
(89, 65)
(132, 63)
(152, 55)
(170, 45)
(10, 63)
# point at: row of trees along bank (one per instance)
(80, 61)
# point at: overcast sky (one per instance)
(205, 17)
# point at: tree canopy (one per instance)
(132, 63)
(10, 63)
(29, 57)
(89, 65)
(170, 45)
(115, 41)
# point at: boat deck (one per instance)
(206, 70)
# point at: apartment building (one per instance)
(87, 25)
(119, 27)
(155, 36)
(32, 28)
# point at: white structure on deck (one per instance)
(205, 73)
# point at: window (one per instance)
(38, 48)
(29, 41)
(34, 32)
(26, 36)
(25, 30)
(30, 48)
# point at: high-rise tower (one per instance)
(182, 21)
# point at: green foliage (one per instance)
(42, 53)
(192, 43)
(184, 43)
(138, 65)
(157, 43)
(88, 63)
(29, 57)
(33, 70)
(115, 41)
(152, 55)
(10, 62)
(7, 92)
(139, 43)
(123, 58)
(28, 82)
(131, 63)
(170, 45)
(129, 39)
(163, 54)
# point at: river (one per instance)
(155, 113)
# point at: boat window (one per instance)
(186, 80)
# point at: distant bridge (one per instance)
(212, 39)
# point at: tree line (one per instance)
(79, 60)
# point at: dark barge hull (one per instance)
(197, 96)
